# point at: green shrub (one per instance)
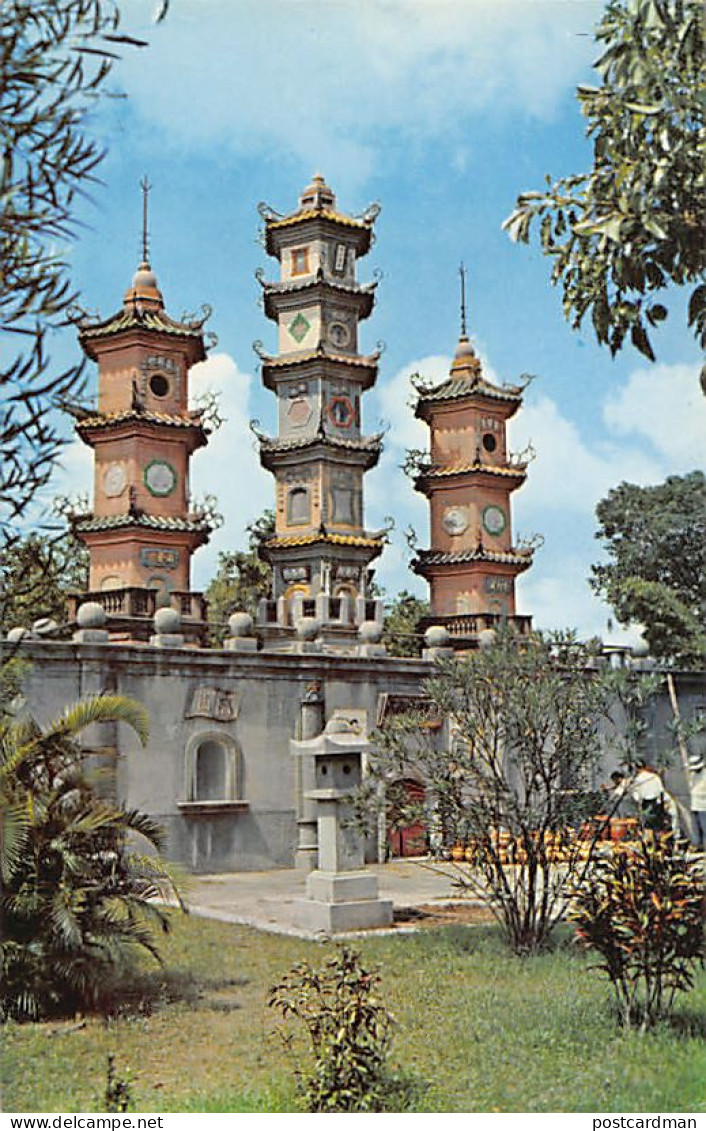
(118, 1093)
(347, 1028)
(77, 901)
(641, 910)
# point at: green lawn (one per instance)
(487, 1031)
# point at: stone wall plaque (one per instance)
(159, 557)
(498, 585)
(212, 703)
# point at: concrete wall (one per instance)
(261, 692)
(250, 702)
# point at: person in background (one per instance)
(643, 793)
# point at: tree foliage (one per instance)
(55, 59)
(242, 578)
(655, 538)
(641, 911)
(77, 900)
(619, 234)
(508, 746)
(36, 575)
(402, 615)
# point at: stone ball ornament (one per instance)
(240, 624)
(90, 615)
(15, 635)
(307, 628)
(370, 632)
(45, 626)
(167, 621)
(640, 649)
(339, 725)
(487, 638)
(436, 636)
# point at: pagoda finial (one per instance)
(462, 272)
(145, 186)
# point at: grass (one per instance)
(485, 1030)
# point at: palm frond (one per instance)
(104, 708)
(14, 834)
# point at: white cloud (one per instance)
(570, 474)
(339, 84)
(74, 471)
(654, 426)
(229, 467)
(666, 406)
(559, 597)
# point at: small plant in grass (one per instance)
(118, 1094)
(348, 1030)
(641, 910)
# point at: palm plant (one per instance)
(78, 899)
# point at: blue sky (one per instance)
(443, 111)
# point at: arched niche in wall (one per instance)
(298, 506)
(212, 773)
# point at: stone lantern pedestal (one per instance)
(341, 894)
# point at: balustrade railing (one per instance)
(135, 601)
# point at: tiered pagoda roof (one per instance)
(515, 557)
(192, 524)
(466, 380)
(364, 294)
(516, 472)
(143, 309)
(317, 206)
(99, 422)
(368, 540)
(367, 447)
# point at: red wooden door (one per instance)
(409, 840)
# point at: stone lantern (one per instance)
(341, 894)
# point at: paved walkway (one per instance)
(264, 899)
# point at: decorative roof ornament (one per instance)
(145, 186)
(269, 213)
(462, 272)
(317, 196)
(195, 321)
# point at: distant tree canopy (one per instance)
(36, 575)
(619, 234)
(242, 578)
(55, 59)
(402, 616)
(655, 538)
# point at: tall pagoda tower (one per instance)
(469, 480)
(321, 551)
(142, 533)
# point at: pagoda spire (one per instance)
(320, 551)
(473, 561)
(145, 186)
(143, 529)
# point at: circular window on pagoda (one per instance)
(489, 442)
(159, 385)
(341, 412)
(494, 520)
(339, 334)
